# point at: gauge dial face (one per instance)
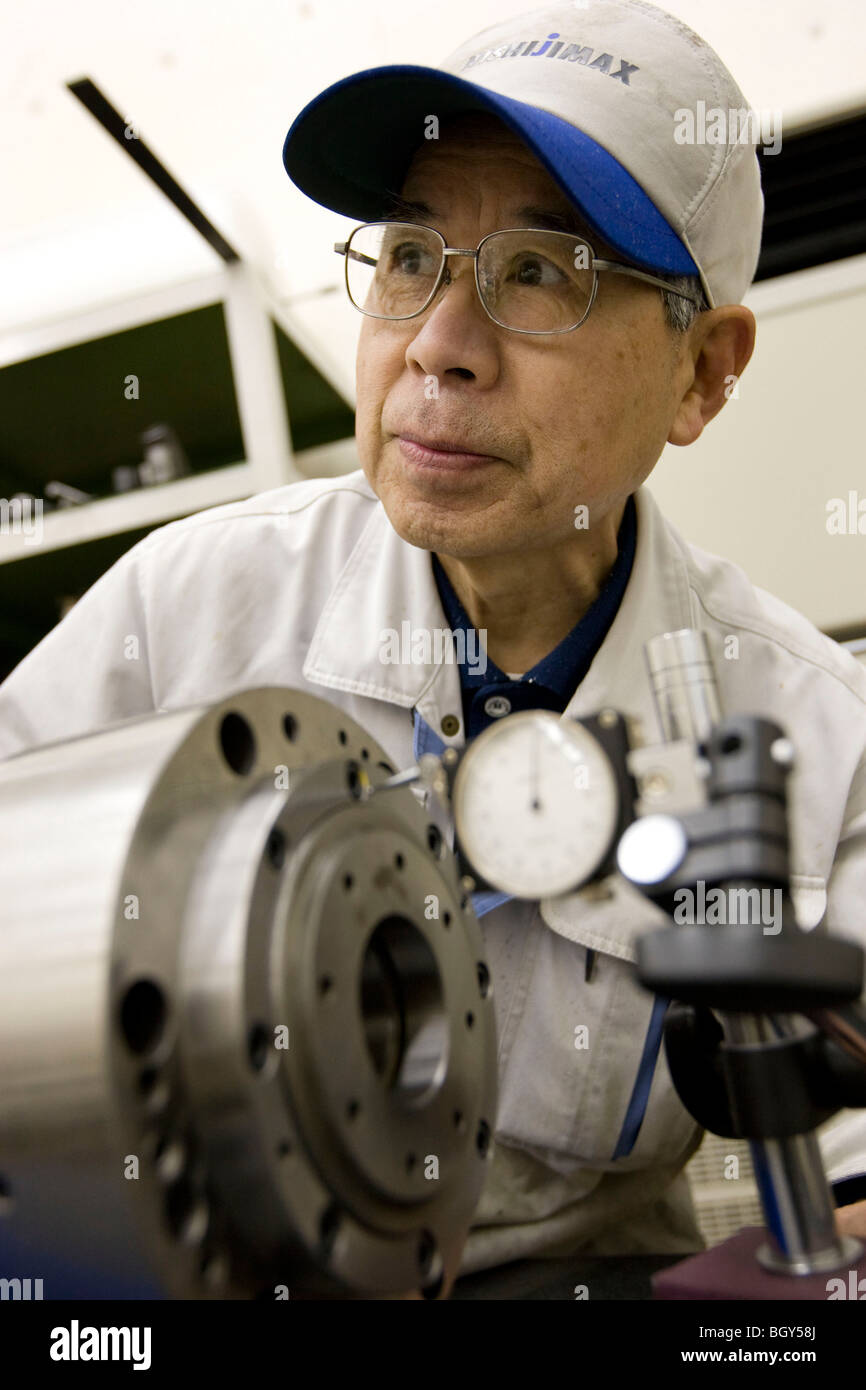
(535, 804)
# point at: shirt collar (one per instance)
(485, 688)
(387, 585)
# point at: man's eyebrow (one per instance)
(398, 208)
(552, 221)
(415, 210)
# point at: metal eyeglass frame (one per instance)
(342, 249)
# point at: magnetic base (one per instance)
(731, 1271)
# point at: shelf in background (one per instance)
(142, 509)
(253, 402)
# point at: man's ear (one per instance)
(720, 343)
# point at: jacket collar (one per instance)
(388, 585)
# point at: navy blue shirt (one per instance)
(489, 693)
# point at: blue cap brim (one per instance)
(352, 144)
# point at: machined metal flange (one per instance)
(248, 1034)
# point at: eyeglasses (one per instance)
(528, 281)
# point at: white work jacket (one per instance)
(295, 587)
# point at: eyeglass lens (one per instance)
(538, 281)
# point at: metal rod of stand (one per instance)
(846, 1025)
(795, 1195)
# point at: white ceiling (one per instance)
(214, 85)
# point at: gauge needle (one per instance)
(533, 774)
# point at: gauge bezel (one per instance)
(592, 744)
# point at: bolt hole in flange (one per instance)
(143, 1012)
(238, 743)
(258, 1043)
(430, 1266)
(329, 1226)
(482, 1138)
(403, 1015)
(433, 1290)
(186, 1212)
(426, 1252)
(214, 1271)
(169, 1158)
(275, 848)
(154, 1090)
(148, 1079)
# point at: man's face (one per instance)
(569, 419)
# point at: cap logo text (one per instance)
(571, 53)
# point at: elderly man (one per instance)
(551, 286)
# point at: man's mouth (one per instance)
(441, 453)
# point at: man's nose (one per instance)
(455, 332)
(459, 268)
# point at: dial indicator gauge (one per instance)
(536, 804)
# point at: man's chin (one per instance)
(455, 524)
(413, 527)
(446, 533)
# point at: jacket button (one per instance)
(450, 724)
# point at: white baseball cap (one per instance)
(597, 90)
